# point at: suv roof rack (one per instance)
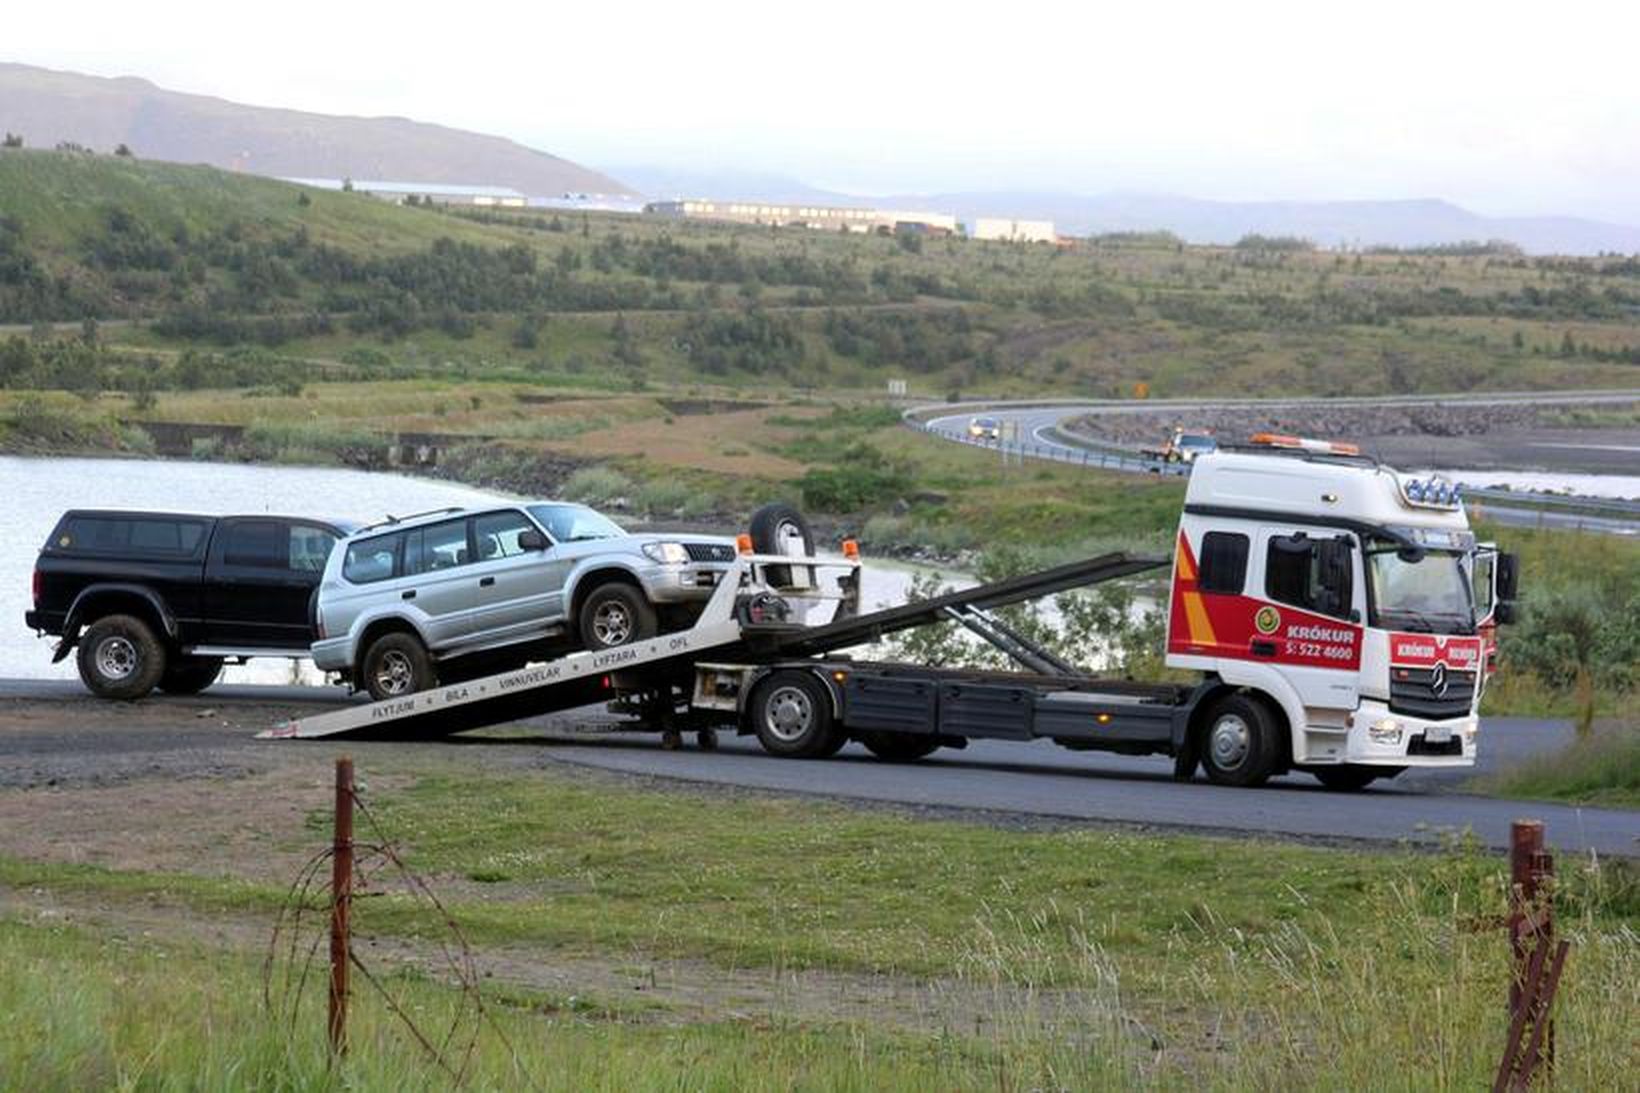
(392, 520)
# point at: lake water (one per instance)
(37, 491)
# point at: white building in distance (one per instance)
(829, 217)
(1015, 231)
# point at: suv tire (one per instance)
(119, 657)
(395, 665)
(791, 713)
(190, 675)
(615, 614)
(1239, 746)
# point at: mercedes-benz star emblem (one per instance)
(1437, 681)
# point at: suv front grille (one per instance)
(1417, 693)
(710, 552)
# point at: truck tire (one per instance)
(791, 713)
(1239, 745)
(900, 747)
(778, 528)
(119, 657)
(1351, 777)
(190, 675)
(615, 614)
(395, 665)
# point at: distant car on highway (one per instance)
(1183, 446)
(164, 599)
(457, 594)
(985, 428)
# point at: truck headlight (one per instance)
(666, 553)
(1386, 730)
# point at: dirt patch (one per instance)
(733, 443)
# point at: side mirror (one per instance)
(530, 539)
(1504, 613)
(1507, 580)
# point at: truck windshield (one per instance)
(575, 523)
(1430, 595)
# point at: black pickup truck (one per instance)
(155, 599)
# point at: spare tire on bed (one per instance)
(778, 528)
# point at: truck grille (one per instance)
(1433, 693)
(710, 552)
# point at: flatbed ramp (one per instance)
(584, 678)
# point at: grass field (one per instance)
(1016, 959)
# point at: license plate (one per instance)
(1437, 734)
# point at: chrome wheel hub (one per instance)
(395, 675)
(1229, 742)
(611, 623)
(788, 713)
(116, 657)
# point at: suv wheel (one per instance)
(120, 657)
(615, 614)
(396, 665)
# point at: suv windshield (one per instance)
(575, 523)
(1431, 594)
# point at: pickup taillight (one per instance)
(39, 588)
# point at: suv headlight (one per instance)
(666, 553)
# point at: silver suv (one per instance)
(457, 594)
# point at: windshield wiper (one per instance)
(1419, 621)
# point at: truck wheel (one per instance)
(120, 657)
(791, 714)
(1348, 777)
(1239, 745)
(615, 614)
(190, 675)
(778, 528)
(900, 747)
(396, 665)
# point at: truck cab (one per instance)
(1337, 598)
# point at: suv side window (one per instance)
(496, 534)
(1224, 562)
(1313, 574)
(441, 546)
(371, 560)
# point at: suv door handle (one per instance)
(410, 595)
(486, 582)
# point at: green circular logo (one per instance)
(1267, 620)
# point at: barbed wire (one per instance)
(301, 928)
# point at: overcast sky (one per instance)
(1502, 107)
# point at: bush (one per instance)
(597, 486)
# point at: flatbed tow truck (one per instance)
(1331, 608)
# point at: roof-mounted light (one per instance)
(1305, 444)
(1433, 492)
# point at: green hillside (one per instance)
(206, 259)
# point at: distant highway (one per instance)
(1037, 432)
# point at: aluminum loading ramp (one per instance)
(584, 678)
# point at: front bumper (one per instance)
(681, 583)
(1377, 737)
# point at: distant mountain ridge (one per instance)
(1408, 223)
(47, 107)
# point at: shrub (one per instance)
(597, 485)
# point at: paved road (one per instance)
(1038, 781)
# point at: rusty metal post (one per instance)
(341, 899)
(1525, 842)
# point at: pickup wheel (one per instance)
(119, 657)
(396, 665)
(791, 714)
(190, 675)
(1238, 743)
(615, 614)
(900, 747)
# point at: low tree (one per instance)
(13, 140)
(124, 150)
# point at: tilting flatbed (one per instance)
(714, 673)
